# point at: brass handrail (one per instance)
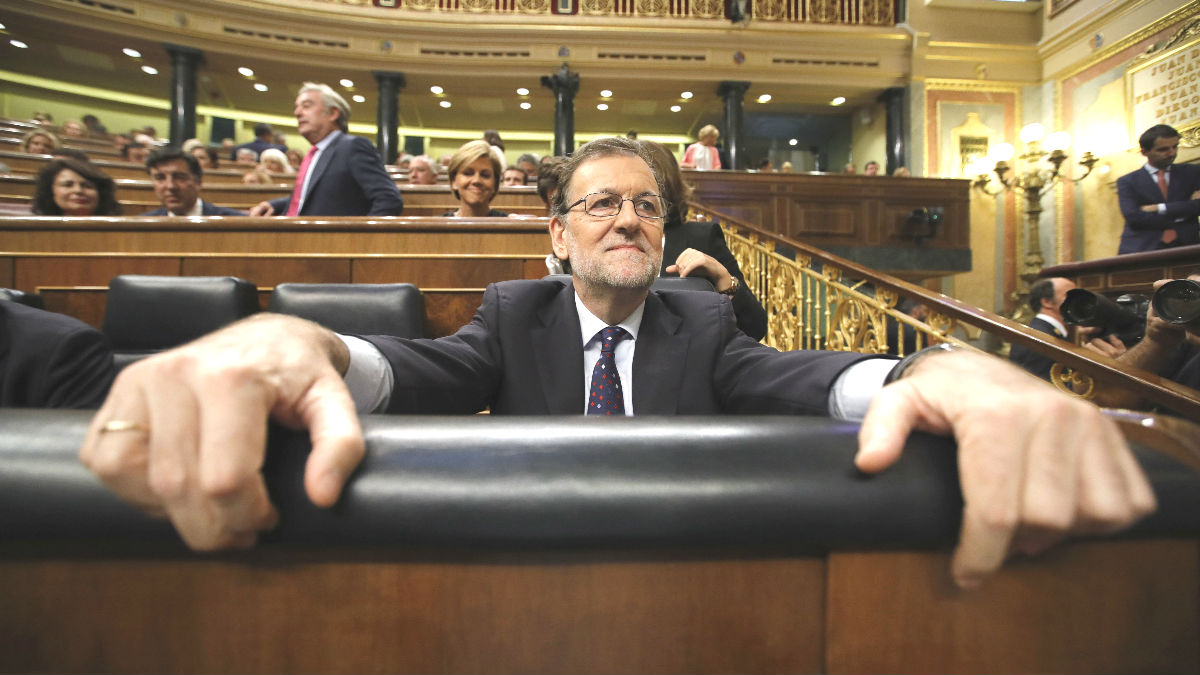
(817, 300)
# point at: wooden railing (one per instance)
(1131, 273)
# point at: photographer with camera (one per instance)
(1171, 346)
(1045, 298)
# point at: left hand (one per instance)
(1034, 463)
(694, 263)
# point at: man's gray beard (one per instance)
(594, 274)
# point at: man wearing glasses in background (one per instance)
(194, 418)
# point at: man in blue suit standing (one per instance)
(342, 175)
(1161, 200)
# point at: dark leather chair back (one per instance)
(147, 314)
(359, 309)
(661, 283)
(28, 299)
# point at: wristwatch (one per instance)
(733, 286)
(907, 362)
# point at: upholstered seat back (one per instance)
(361, 309)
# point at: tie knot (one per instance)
(610, 336)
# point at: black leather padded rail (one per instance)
(355, 309)
(31, 299)
(517, 483)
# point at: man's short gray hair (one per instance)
(332, 101)
(601, 147)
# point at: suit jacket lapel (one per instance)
(658, 362)
(323, 162)
(558, 347)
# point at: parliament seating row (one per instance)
(489, 544)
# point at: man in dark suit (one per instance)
(178, 179)
(534, 346)
(263, 140)
(342, 175)
(1161, 200)
(50, 360)
(1046, 297)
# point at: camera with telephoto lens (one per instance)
(1178, 302)
(1125, 317)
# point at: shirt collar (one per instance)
(1058, 325)
(590, 324)
(1153, 171)
(196, 210)
(324, 142)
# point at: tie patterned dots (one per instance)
(605, 397)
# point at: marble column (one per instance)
(184, 62)
(564, 84)
(733, 92)
(387, 115)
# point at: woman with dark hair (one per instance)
(474, 179)
(699, 248)
(69, 187)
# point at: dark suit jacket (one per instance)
(50, 360)
(709, 239)
(522, 354)
(1143, 230)
(206, 209)
(348, 180)
(1030, 360)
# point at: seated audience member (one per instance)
(50, 360)
(275, 161)
(871, 168)
(342, 174)
(1045, 299)
(43, 118)
(245, 156)
(228, 144)
(135, 152)
(147, 135)
(699, 248)
(421, 171)
(206, 156)
(528, 163)
(403, 160)
(120, 141)
(280, 140)
(257, 176)
(263, 139)
(902, 172)
(786, 167)
(849, 169)
(94, 127)
(69, 187)
(765, 166)
(1172, 351)
(73, 129)
(178, 180)
(703, 153)
(73, 153)
(295, 157)
(1160, 200)
(514, 175)
(474, 179)
(530, 351)
(39, 142)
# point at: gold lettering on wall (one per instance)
(1165, 90)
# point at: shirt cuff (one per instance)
(1162, 208)
(855, 388)
(368, 377)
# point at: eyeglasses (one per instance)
(608, 205)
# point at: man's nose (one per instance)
(627, 220)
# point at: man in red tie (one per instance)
(342, 175)
(1161, 200)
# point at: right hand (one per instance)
(262, 209)
(201, 420)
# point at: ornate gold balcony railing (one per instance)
(816, 300)
(852, 12)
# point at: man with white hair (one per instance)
(421, 171)
(342, 175)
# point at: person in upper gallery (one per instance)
(257, 176)
(421, 171)
(699, 248)
(178, 180)
(764, 166)
(1160, 200)
(849, 169)
(94, 127)
(786, 167)
(73, 129)
(39, 142)
(703, 153)
(275, 161)
(73, 153)
(50, 360)
(1046, 297)
(245, 157)
(528, 163)
(135, 152)
(182, 434)
(264, 139)
(493, 138)
(514, 175)
(69, 187)
(342, 175)
(871, 168)
(474, 175)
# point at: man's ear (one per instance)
(558, 227)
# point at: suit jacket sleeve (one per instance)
(280, 205)
(379, 189)
(1131, 204)
(751, 317)
(52, 361)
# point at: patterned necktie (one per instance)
(605, 397)
(294, 205)
(1162, 182)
